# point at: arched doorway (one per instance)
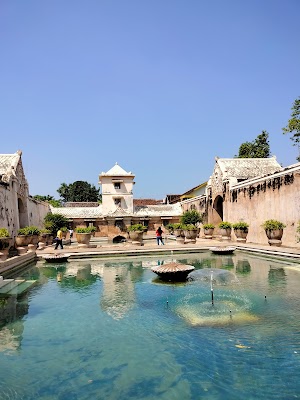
(218, 209)
(22, 211)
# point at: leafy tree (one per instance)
(191, 217)
(49, 199)
(293, 125)
(259, 148)
(54, 222)
(79, 191)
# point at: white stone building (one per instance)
(118, 209)
(17, 208)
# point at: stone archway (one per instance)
(218, 210)
(119, 239)
(22, 212)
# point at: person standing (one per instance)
(59, 237)
(71, 233)
(159, 238)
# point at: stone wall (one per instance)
(275, 197)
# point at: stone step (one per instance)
(11, 285)
(21, 288)
(4, 282)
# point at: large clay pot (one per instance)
(179, 235)
(136, 237)
(191, 235)
(83, 238)
(241, 235)
(225, 233)
(274, 236)
(5, 243)
(208, 233)
(46, 238)
(23, 240)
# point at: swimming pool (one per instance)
(110, 329)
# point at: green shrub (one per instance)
(64, 229)
(225, 225)
(54, 222)
(4, 233)
(45, 231)
(243, 226)
(208, 226)
(177, 226)
(273, 224)
(29, 230)
(137, 228)
(189, 227)
(191, 217)
(81, 229)
(170, 227)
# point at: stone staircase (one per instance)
(15, 287)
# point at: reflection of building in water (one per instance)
(118, 291)
(11, 312)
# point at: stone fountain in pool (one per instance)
(215, 298)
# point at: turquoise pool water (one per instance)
(110, 329)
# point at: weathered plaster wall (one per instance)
(9, 213)
(275, 198)
(36, 212)
(7, 210)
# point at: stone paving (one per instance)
(101, 247)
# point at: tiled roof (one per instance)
(78, 212)
(146, 202)
(116, 170)
(167, 210)
(245, 168)
(140, 211)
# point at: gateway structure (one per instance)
(119, 209)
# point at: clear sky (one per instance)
(159, 86)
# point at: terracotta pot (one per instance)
(5, 243)
(241, 235)
(136, 237)
(46, 238)
(274, 236)
(225, 233)
(208, 233)
(23, 240)
(191, 234)
(83, 238)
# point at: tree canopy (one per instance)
(49, 199)
(293, 125)
(259, 148)
(79, 191)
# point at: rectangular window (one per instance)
(117, 185)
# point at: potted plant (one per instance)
(274, 231)
(136, 232)
(5, 243)
(46, 236)
(170, 228)
(241, 231)
(27, 235)
(178, 232)
(225, 230)
(190, 232)
(83, 235)
(208, 230)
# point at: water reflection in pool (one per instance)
(111, 329)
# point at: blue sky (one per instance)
(160, 86)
